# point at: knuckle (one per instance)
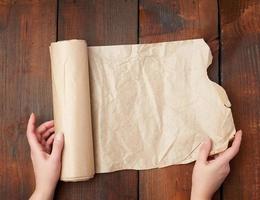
(58, 144)
(56, 159)
(226, 170)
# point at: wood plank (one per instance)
(100, 22)
(166, 20)
(26, 30)
(240, 67)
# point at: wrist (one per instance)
(199, 196)
(42, 194)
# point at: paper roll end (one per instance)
(76, 179)
(67, 42)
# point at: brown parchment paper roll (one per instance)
(72, 113)
(152, 105)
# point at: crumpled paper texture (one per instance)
(149, 105)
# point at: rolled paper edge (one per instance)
(75, 179)
(66, 41)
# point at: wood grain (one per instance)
(166, 20)
(240, 67)
(100, 22)
(28, 27)
(26, 30)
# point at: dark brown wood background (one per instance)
(27, 27)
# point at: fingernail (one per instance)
(59, 136)
(240, 131)
(207, 140)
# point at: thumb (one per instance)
(205, 150)
(57, 146)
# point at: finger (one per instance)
(57, 146)
(47, 150)
(215, 156)
(218, 154)
(49, 143)
(50, 140)
(45, 126)
(43, 142)
(232, 151)
(31, 123)
(31, 136)
(205, 150)
(47, 133)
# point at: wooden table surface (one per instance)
(27, 27)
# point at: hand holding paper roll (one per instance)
(46, 148)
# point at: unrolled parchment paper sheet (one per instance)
(138, 106)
